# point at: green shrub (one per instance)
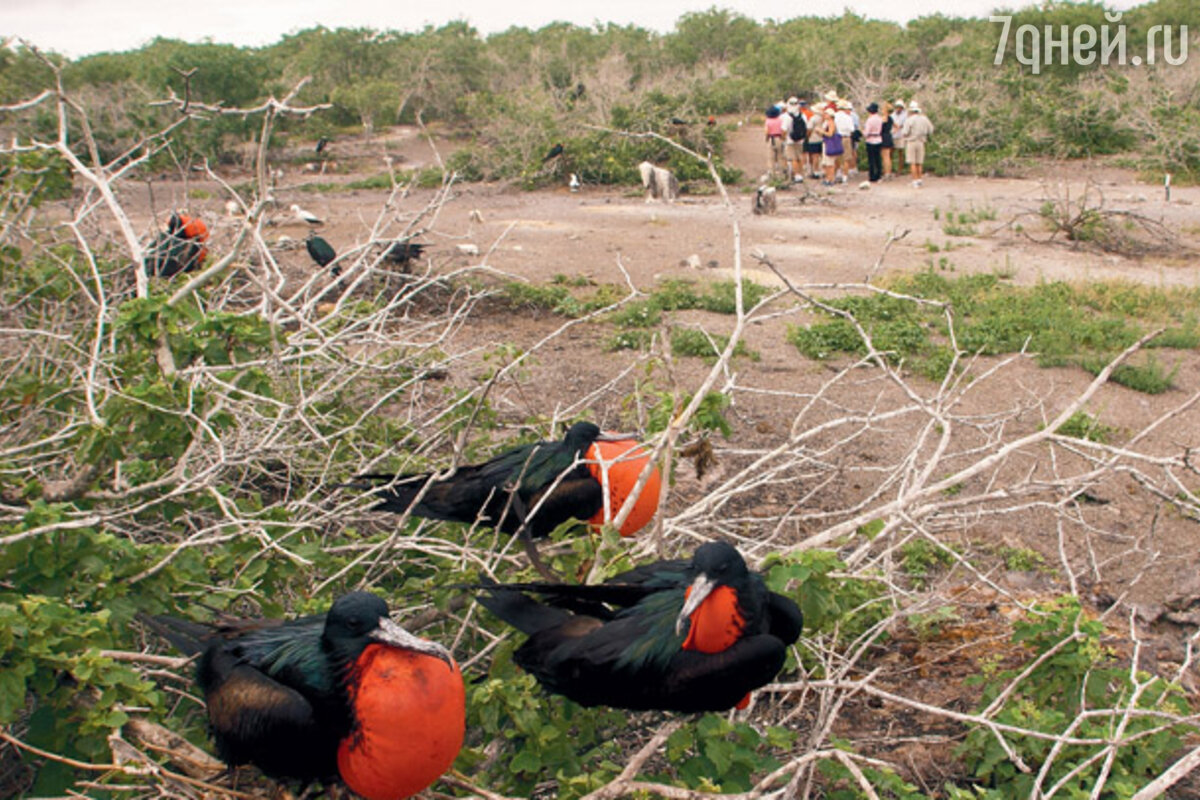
(1079, 675)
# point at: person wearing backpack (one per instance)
(795, 127)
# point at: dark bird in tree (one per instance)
(533, 488)
(402, 252)
(679, 635)
(179, 249)
(346, 695)
(322, 143)
(555, 152)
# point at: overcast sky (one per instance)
(80, 27)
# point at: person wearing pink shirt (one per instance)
(873, 138)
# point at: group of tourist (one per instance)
(822, 141)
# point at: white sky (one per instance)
(81, 27)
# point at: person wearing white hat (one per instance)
(795, 131)
(845, 129)
(917, 130)
(899, 115)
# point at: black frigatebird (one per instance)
(404, 251)
(555, 151)
(677, 635)
(320, 250)
(533, 488)
(346, 695)
(322, 143)
(179, 249)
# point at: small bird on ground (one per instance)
(402, 252)
(346, 695)
(322, 252)
(682, 635)
(555, 151)
(679, 121)
(574, 183)
(306, 216)
(322, 143)
(533, 488)
(179, 249)
(712, 121)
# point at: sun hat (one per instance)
(831, 96)
(843, 105)
(803, 102)
(772, 112)
(793, 101)
(913, 108)
(872, 107)
(899, 104)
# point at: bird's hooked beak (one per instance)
(702, 587)
(613, 436)
(392, 633)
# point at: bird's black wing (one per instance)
(697, 681)
(577, 496)
(257, 719)
(785, 620)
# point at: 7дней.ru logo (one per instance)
(1036, 46)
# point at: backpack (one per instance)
(799, 129)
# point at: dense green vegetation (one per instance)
(515, 93)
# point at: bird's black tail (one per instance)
(520, 610)
(395, 493)
(187, 637)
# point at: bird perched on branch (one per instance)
(306, 216)
(555, 152)
(682, 635)
(179, 249)
(346, 695)
(533, 488)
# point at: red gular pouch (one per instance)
(410, 712)
(716, 625)
(623, 470)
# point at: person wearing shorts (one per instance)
(917, 130)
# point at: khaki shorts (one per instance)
(794, 150)
(914, 152)
(829, 161)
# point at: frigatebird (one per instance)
(533, 488)
(555, 151)
(402, 252)
(348, 695)
(322, 143)
(179, 249)
(682, 635)
(320, 250)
